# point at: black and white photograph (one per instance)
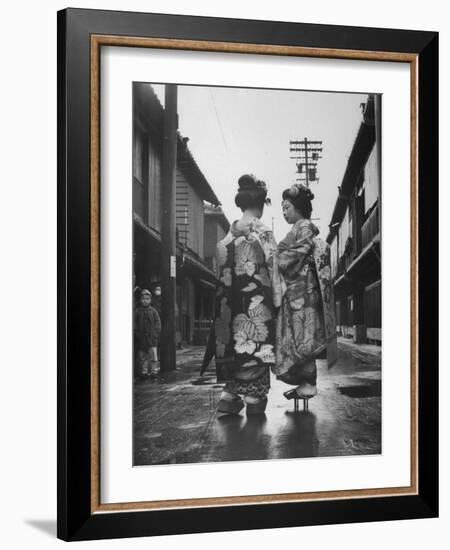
(257, 291)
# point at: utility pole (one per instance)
(377, 104)
(306, 153)
(168, 235)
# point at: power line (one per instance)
(218, 120)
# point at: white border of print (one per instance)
(120, 482)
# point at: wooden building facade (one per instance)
(195, 277)
(355, 237)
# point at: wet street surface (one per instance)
(175, 418)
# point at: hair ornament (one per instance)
(251, 183)
(299, 189)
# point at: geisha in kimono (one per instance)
(306, 327)
(245, 320)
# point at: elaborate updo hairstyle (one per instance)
(252, 193)
(300, 196)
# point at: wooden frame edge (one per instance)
(254, 499)
(235, 47)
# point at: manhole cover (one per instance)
(366, 390)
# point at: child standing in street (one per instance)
(147, 328)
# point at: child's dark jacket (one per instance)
(147, 327)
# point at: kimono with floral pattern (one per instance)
(245, 324)
(306, 325)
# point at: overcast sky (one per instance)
(234, 131)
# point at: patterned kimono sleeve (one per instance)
(323, 267)
(297, 247)
(270, 249)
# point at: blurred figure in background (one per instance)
(156, 298)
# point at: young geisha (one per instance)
(306, 327)
(247, 293)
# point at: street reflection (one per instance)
(242, 438)
(296, 436)
(287, 435)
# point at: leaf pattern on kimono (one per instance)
(227, 276)
(255, 301)
(306, 329)
(249, 287)
(295, 294)
(245, 268)
(263, 277)
(269, 245)
(245, 347)
(327, 292)
(266, 354)
(297, 303)
(248, 250)
(250, 268)
(240, 336)
(239, 269)
(253, 325)
(325, 273)
(260, 312)
(221, 253)
(254, 328)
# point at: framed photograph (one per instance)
(247, 286)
